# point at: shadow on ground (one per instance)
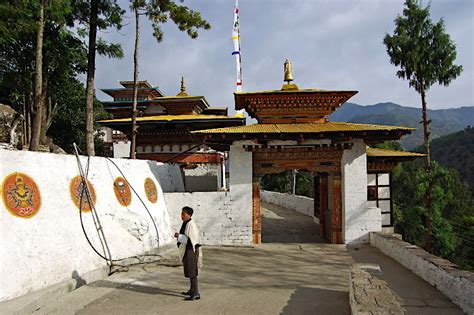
(280, 225)
(309, 300)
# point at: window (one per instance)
(379, 195)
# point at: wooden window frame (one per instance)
(377, 199)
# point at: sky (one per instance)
(332, 44)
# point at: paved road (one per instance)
(289, 274)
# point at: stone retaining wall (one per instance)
(369, 294)
(302, 204)
(456, 284)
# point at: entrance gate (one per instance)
(320, 160)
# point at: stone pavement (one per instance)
(268, 279)
(290, 274)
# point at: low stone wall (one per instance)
(219, 218)
(456, 284)
(302, 204)
(369, 294)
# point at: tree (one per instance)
(38, 107)
(158, 12)
(425, 55)
(453, 212)
(97, 15)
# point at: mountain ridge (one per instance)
(443, 121)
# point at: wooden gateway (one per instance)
(293, 132)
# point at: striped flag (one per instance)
(236, 52)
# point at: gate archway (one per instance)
(319, 159)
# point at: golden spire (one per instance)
(288, 71)
(183, 88)
(288, 77)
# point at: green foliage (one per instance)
(422, 50)
(283, 182)
(69, 124)
(451, 214)
(64, 59)
(109, 15)
(456, 151)
(160, 11)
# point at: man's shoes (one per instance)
(193, 297)
(187, 293)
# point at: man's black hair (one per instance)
(188, 210)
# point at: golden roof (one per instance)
(302, 128)
(171, 118)
(376, 152)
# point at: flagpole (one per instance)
(237, 52)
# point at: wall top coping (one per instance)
(439, 262)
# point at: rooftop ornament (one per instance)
(288, 77)
(183, 88)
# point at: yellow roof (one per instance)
(376, 152)
(302, 128)
(292, 91)
(172, 118)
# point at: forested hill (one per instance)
(444, 121)
(456, 151)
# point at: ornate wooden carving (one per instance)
(336, 216)
(323, 203)
(381, 165)
(278, 159)
(297, 106)
(256, 211)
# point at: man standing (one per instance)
(189, 243)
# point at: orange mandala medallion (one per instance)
(21, 195)
(150, 190)
(122, 191)
(79, 194)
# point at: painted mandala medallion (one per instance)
(79, 194)
(150, 190)
(122, 191)
(21, 195)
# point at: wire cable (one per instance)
(109, 259)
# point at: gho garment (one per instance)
(190, 251)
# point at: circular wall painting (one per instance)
(122, 191)
(21, 195)
(78, 192)
(150, 190)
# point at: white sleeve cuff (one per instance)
(183, 239)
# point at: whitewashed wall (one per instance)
(301, 204)
(220, 220)
(456, 284)
(47, 248)
(359, 219)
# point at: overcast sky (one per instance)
(332, 44)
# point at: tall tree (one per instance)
(38, 107)
(158, 12)
(425, 55)
(97, 15)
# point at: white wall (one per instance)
(169, 175)
(240, 181)
(359, 220)
(301, 204)
(121, 149)
(456, 284)
(47, 248)
(219, 219)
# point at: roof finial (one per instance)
(288, 71)
(183, 88)
(288, 77)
